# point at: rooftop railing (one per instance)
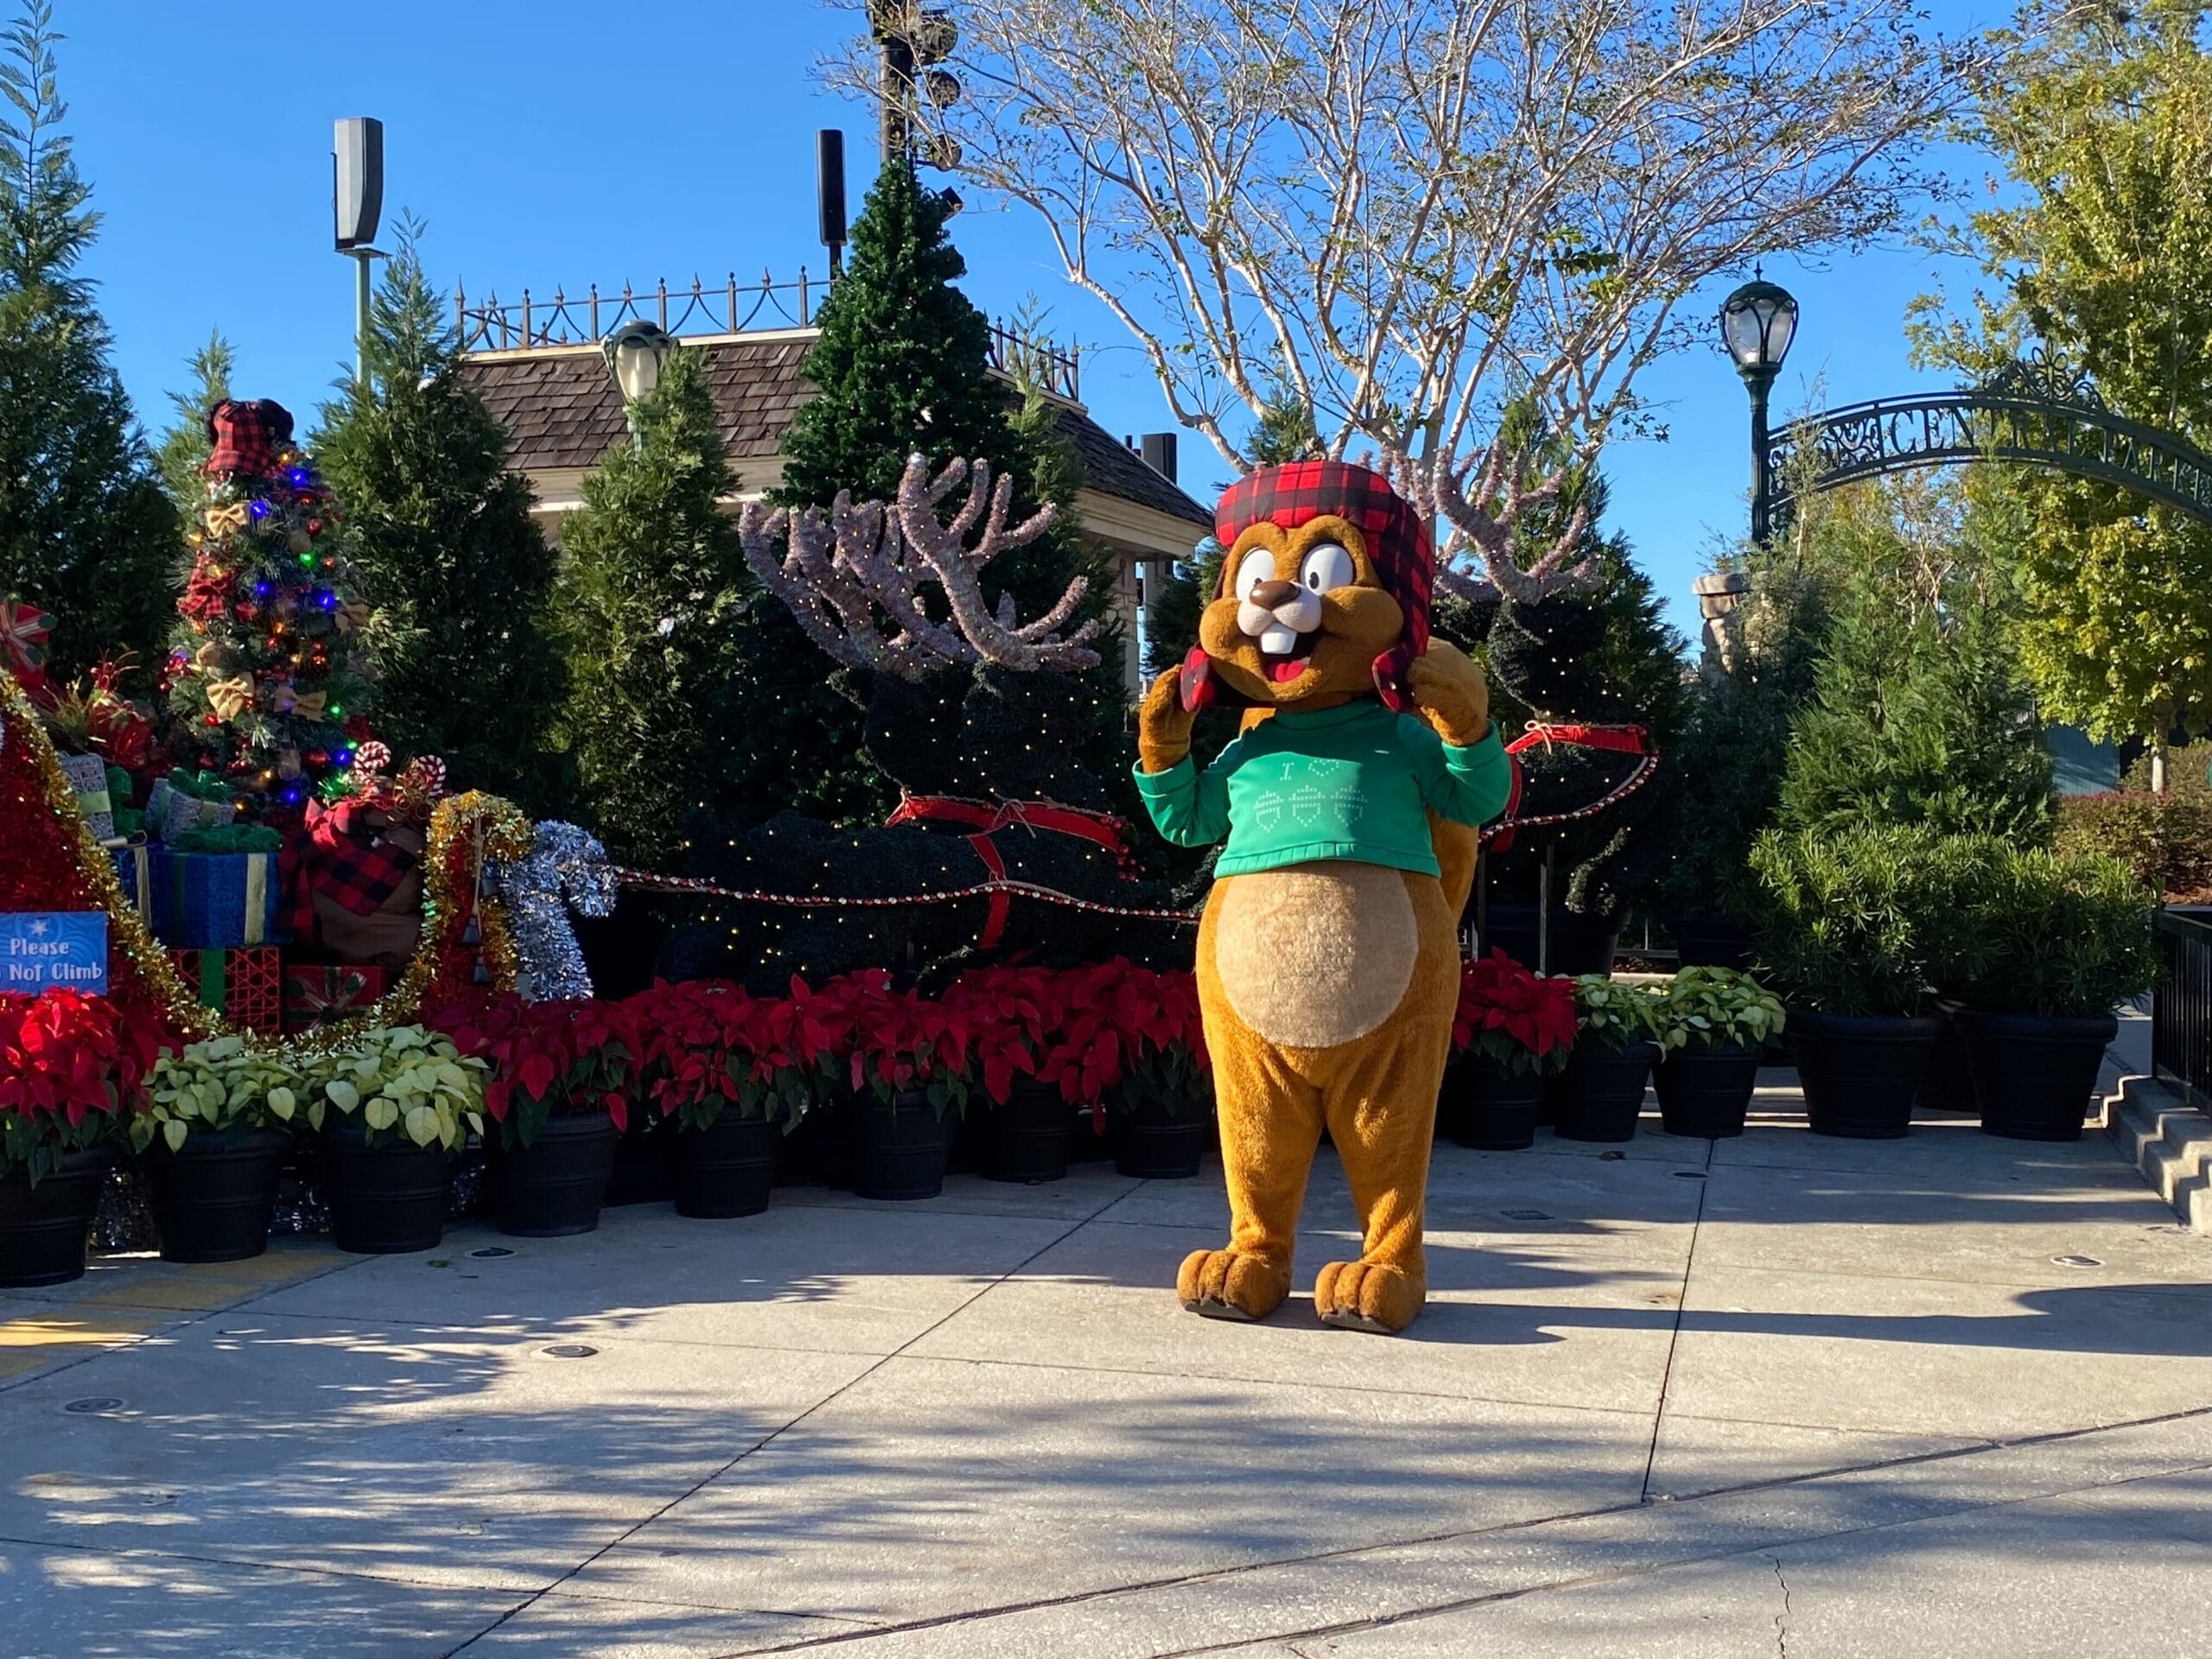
(529, 324)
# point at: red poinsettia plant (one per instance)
(1131, 1035)
(901, 1043)
(1516, 1020)
(73, 1067)
(708, 1045)
(566, 1058)
(1013, 1012)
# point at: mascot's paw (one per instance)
(1368, 1296)
(1224, 1285)
(1448, 687)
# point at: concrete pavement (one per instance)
(1947, 1395)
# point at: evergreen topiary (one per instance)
(446, 548)
(86, 532)
(184, 448)
(900, 367)
(651, 586)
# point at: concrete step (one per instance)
(2169, 1141)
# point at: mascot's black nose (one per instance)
(1268, 594)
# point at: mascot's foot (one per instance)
(1224, 1285)
(1368, 1296)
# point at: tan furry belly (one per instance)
(1315, 955)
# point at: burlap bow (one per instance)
(231, 698)
(306, 705)
(221, 521)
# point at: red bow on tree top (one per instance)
(247, 436)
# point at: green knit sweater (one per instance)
(1354, 782)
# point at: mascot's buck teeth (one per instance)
(1328, 958)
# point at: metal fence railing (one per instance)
(2181, 1006)
(728, 308)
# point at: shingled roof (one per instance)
(561, 409)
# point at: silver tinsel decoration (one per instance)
(563, 867)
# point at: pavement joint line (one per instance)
(1674, 1337)
(140, 1553)
(1621, 1575)
(1531, 1524)
(2073, 1281)
(834, 1394)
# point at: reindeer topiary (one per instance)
(1001, 842)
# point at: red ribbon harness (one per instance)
(1621, 739)
(987, 819)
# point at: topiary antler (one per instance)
(853, 577)
(1482, 520)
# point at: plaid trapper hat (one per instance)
(246, 436)
(1398, 545)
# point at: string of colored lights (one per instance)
(645, 880)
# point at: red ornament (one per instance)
(318, 759)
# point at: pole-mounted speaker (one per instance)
(830, 190)
(359, 200)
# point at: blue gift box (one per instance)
(134, 869)
(213, 901)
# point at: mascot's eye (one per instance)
(1259, 566)
(1326, 567)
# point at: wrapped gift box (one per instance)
(317, 993)
(186, 800)
(87, 776)
(134, 868)
(214, 901)
(246, 986)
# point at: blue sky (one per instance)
(550, 142)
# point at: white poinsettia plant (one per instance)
(404, 1082)
(219, 1084)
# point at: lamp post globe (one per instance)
(1758, 323)
(634, 355)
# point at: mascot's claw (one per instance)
(1367, 1296)
(1223, 1285)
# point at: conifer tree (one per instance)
(445, 547)
(86, 532)
(651, 586)
(900, 367)
(183, 449)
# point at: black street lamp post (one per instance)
(1756, 322)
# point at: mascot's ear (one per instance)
(1200, 688)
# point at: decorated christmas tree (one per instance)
(272, 664)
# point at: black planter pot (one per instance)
(1710, 939)
(900, 1147)
(726, 1169)
(645, 1162)
(214, 1196)
(1601, 1092)
(553, 1187)
(2035, 1077)
(818, 1150)
(1947, 1087)
(1152, 1143)
(1707, 1091)
(385, 1200)
(1580, 944)
(1482, 1106)
(1861, 1072)
(44, 1229)
(1030, 1135)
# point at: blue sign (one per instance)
(66, 947)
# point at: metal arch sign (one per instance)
(2027, 412)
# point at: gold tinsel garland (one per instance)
(492, 829)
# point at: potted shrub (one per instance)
(2055, 941)
(909, 1064)
(735, 1073)
(1012, 1011)
(559, 1076)
(1512, 1030)
(211, 1144)
(392, 1108)
(1616, 1031)
(1851, 923)
(1131, 1039)
(71, 1065)
(1714, 1024)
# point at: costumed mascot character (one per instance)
(1328, 964)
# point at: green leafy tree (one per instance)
(185, 447)
(2103, 122)
(899, 368)
(650, 585)
(446, 548)
(86, 532)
